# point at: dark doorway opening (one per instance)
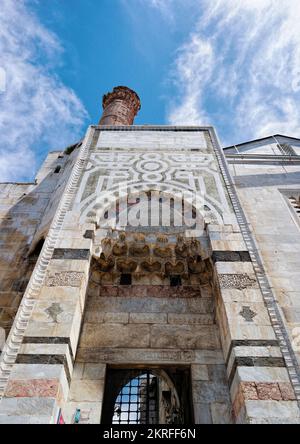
(125, 279)
(147, 396)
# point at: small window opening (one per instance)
(57, 169)
(175, 280)
(125, 279)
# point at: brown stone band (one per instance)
(33, 388)
(49, 340)
(250, 343)
(254, 361)
(71, 253)
(231, 256)
(262, 391)
(45, 359)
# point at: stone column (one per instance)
(120, 107)
(260, 387)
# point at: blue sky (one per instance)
(234, 64)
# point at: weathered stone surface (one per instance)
(32, 388)
(231, 256)
(263, 374)
(147, 305)
(122, 318)
(268, 391)
(78, 371)
(4, 419)
(272, 409)
(115, 335)
(209, 357)
(287, 391)
(87, 391)
(153, 291)
(35, 371)
(249, 390)
(217, 373)
(136, 356)
(189, 337)
(190, 319)
(221, 413)
(206, 391)
(148, 318)
(28, 406)
(202, 413)
(243, 313)
(94, 371)
(199, 372)
(94, 317)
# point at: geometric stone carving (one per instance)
(54, 310)
(64, 279)
(247, 314)
(238, 281)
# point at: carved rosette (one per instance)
(120, 106)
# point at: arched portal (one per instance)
(147, 396)
(150, 322)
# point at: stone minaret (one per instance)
(120, 106)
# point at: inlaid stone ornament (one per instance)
(247, 313)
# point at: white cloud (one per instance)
(164, 6)
(36, 108)
(240, 68)
(192, 68)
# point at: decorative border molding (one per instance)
(15, 338)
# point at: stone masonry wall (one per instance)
(243, 334)
(26, 212)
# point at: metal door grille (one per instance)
(137, 401)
